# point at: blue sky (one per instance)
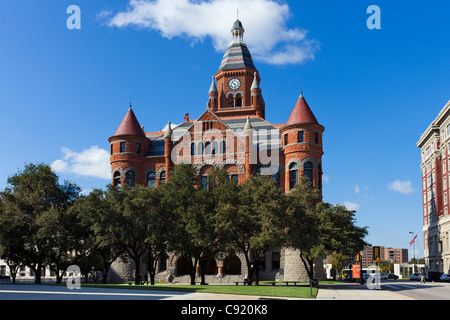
(64, 92)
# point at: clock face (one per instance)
(234, 84)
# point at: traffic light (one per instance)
(358, 258)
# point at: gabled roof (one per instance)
(130, 126)
(302, 113)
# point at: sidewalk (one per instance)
(352, 291)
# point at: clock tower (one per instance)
(237, 91)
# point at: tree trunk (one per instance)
(137, 272)
(202, 263)
(257, 273)
(249, 271)
(193, 272)
(37, 273)
(309, 266)
(59, 276)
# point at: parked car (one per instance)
(392, 276)
(415, 276)
(445, 277)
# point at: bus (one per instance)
(346, 274)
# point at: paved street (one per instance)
(390, 290)
(416, 290)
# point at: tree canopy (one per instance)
(43, 222)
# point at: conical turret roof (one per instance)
(302, 113)
(130, 126)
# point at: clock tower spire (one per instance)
(236, 78)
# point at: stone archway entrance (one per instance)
(211, 267)
(232, 265)
(183, 266)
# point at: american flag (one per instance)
(413, 240)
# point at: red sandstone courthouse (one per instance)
(231, 133)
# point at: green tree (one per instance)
(251, 217)
(96, 218)
(193, 234)
(31, 195)
(129, 211)
(317, 229)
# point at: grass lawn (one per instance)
(302, 291)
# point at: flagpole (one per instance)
(414, 252)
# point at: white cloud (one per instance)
(404, 187)
(352, 206)
(92, 162)
(269, 38)
(357, 189)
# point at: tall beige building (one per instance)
(434, 147)
(386, 254)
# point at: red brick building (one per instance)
(231, 133)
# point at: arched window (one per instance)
(151, 178)
(205, 182)
(308, 170)
(238, 100)
(208, 148)
(200, 148)
(230, 100)
(293, 175)
(117, 179)
(163, 177)
(224, 147)
(131, 178)
(193, 149)
(215, 148)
